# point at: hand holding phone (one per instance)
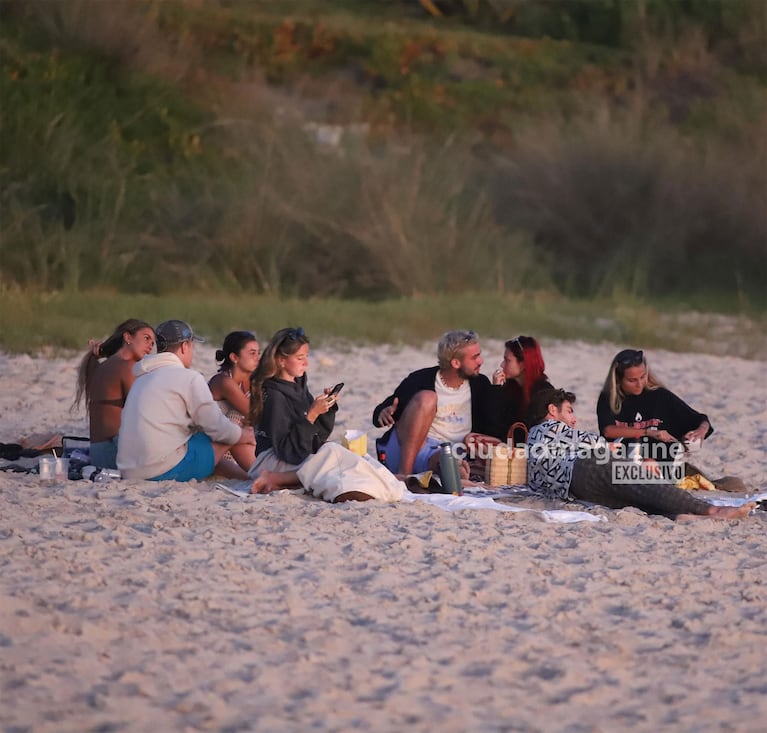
(333, 392)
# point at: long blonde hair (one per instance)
(623, 360)
(286, 342)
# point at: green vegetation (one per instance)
(32, 322)
(609, 150)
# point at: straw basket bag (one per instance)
(508, 464)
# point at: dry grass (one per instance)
(245, 199)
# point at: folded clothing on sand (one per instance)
(42, 441)
(14, 451)
(333, 470)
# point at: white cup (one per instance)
(62, 469)
(692, 446)
(47, 467)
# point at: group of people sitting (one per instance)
(154, 418)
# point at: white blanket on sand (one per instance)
(452, 503)
(731, 499)
(485, 498)
(448, 502)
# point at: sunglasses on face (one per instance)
(630, 358)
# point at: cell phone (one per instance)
(335, 390)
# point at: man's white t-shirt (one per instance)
(453, 418)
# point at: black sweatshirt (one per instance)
(506, 405)
(283, 426)
(654, 408)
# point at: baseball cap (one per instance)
(169, 333)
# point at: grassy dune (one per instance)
(52, 322)
(374, 151)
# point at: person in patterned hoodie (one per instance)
(567, 463)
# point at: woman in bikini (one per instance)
(238, 358)
(104, 378)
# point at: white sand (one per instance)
(177, 607)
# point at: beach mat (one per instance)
(451, 503)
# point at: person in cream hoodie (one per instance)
(171, 427)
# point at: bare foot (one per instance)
(229, 469)
(265, 483)
(720, 512)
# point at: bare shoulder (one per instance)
(112, 378)
(112, 368)
(218, 384)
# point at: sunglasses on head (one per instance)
(470, 336)
(516, 347)
(293, 334)
(629, 358)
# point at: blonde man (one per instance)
(435, 405)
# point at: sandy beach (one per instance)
(163, 607)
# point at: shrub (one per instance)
(616, 210)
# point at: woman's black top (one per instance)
(655, 408)
(506, 405)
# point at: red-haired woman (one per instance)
(521, 374)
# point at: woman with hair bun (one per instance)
(104, 378)
(238, 358)
(230, 387)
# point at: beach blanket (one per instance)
(452, 503)
(730, 500)
(479, 497)
(484, 497)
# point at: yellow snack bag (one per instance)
(696, 481)
(356, 441)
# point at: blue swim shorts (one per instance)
(393, 452)
(198, 463)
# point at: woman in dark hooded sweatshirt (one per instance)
(290, 423)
